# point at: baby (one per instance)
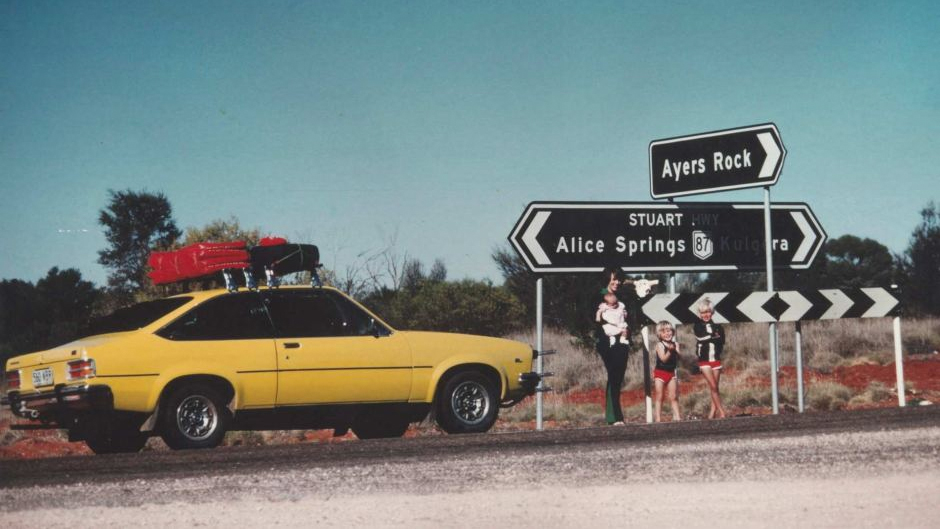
(613, 315)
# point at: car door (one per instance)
(231, 332)
(328, 355)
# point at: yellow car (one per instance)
(191, 367)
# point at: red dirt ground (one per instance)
(921, 371)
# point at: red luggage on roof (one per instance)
(197, 260)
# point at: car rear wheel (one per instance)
(195, 416)
(468, 403)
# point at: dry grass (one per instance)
(555, 408)
(826, 343)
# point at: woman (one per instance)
(613, 352)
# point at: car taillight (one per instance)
(83, 368)
(13, 379)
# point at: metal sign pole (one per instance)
(538, 345)
(774, 390)
(672, 290)
(647, 380)
(899, 361)
(799, 365)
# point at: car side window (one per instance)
(358, 321)
(239, 316)
(305, 314)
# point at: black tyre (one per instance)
(194, 416)
(468, 402)
(377, 425)
(113, 435)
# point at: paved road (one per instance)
(839, 469)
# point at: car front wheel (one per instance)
(468, 403)
(195, 416)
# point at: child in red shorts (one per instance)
(710, 338)
(664, 375)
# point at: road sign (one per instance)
(716, 161)
(766, 307)
(668, 237)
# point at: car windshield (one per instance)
(134, 317)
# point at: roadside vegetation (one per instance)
(411, 295)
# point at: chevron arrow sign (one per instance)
(660, 237)
(716, 161)
(767, 307)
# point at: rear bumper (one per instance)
(61, 399)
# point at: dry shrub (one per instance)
(827, 396)
(875, 392)
(920, 336)
(555, 408)
(825, 361)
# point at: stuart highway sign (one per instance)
(716, 161)
(670, 237)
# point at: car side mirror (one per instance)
(374, 328)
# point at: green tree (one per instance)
(222, 230)
(135, 224)
(919, 267)
(467, 306)
(51, 312)
(846, 262)
(850, 261)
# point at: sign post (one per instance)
(539, 367)
(772, 328)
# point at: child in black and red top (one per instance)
(667, 358)
(710, 339)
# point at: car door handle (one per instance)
(291, 345)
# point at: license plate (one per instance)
(42, 377)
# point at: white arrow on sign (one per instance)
(884, 302)
(809, 236)
(752, 306)
(798, 305)
(529, 237)
(840, 304)
(655, 309)
(773, 154)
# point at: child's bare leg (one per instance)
(717, 396)
(674, 399)
(658, 401)
(709, 375)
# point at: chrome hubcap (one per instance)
(470, 401)
(197, 417)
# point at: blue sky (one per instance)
(343, 123)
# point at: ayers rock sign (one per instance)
(716, 161)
